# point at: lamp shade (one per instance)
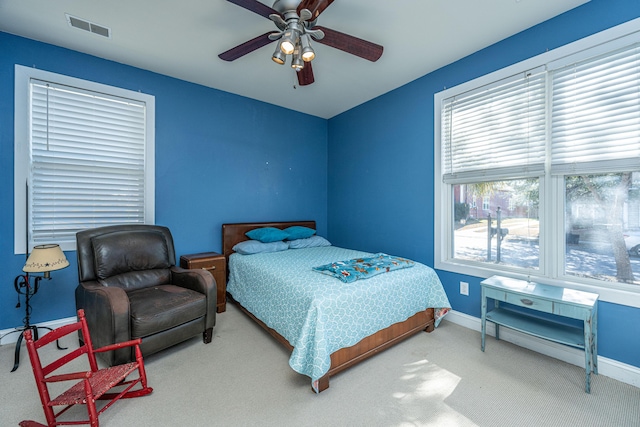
(45, 258)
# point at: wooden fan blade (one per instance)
(316, 7)
(350, 44)
(246, 47)
(305, 76)
(255, 7)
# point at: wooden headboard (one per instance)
(234, 233)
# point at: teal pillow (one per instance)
(267, 234)
(297, 232)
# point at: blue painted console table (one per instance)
(549, 299)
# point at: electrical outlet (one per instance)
(464, 288)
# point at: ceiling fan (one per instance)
(296, 22)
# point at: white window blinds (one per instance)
(496, 131)
(596, 114)
(87, 161)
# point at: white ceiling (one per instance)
(183, 38)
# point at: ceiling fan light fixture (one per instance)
(307, 52)
(288, 41)
(287, 47)
(297, 64)
(278, 56)
(296, 58)
(307, 56)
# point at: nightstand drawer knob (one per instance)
(526, 301)
(213, 267)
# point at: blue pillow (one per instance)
(249, 247)
(298, 232)
(309, 242)
(267, 234)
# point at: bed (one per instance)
(313, 314)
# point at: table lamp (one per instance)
(43, 259)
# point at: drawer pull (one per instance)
(213, 267)
(526, 301)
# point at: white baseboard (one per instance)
(608, 367)
(10, 336)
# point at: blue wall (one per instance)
(217, 161)
(381, 156)
(365, 176)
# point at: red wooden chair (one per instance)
(94, 384)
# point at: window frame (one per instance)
(22, 151)
(552, 238)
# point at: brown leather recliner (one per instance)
(131, 288)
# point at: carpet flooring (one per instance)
(439, 379)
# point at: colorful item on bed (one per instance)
(364, 268)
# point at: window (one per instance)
(603, 233)
(552, 146)
(486, 203)
(84, 158)
(475, 234)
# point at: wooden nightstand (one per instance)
(215, 264)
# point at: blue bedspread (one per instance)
(319, 314)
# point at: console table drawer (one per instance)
(532, 303)
(518, 299)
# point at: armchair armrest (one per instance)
(107, 312)
(200, 281)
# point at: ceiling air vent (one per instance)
(88, 26)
